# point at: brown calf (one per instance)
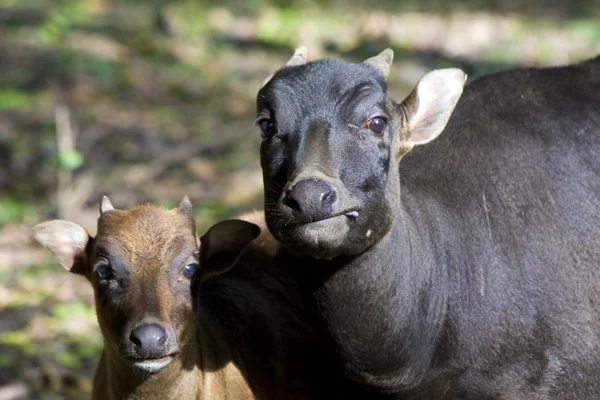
(171, 332)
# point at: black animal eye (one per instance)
(376, 125)
(190, 270)
(104, 271)
(266, 127)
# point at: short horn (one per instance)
(299, 57)
(186, 204)
(105, 205)
(267, 79)
(382, 62)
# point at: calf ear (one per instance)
(222, 245)
(431, 103)
(67, 241)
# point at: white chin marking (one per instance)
(324, 236)
(153, 366)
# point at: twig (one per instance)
(65, 139)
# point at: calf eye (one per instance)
(190, 270)
(266, 127)
(104, 271)
(376, 125)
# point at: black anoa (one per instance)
(465, 267)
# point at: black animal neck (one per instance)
(384, 310)
(255, 312)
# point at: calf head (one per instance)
(140, 265)
(332, 140)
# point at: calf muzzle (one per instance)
(149, 341)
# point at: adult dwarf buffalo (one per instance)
(465, 267)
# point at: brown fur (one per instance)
(234, 345)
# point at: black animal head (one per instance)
(332, 140)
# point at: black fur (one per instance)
(480, 278)
(256, 309)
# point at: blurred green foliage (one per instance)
(14, 210)
(278, 26)
(70, 159)
(59, 21)
(589, 27)
(11, 99)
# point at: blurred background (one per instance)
(148, 100)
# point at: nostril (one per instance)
(136, 340)
(289, 201)
(310, 196)
(149, 340)
(329, 197)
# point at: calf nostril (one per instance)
(136, 341)
(149, 340)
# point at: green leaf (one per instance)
(17, 339)
(14, 99)
(67, 359)
(13, 210)
(589, 28)
(70, 160)
(76, 309)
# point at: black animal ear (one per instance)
(68, 242)
(222, 245)
(431, 103)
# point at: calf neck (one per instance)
(461, 267)
(172, 329)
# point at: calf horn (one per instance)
(105, 205)
(186, 204)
